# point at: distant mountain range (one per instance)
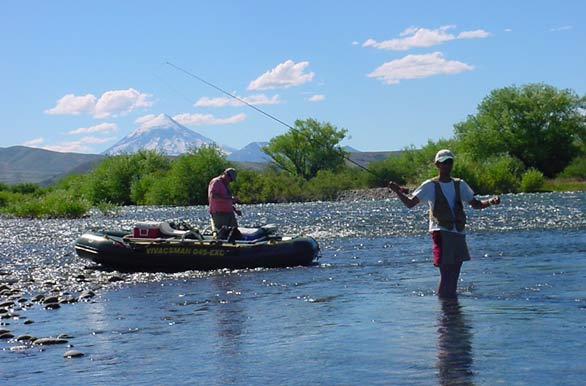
(250, 153)
(162, 133)
(27, 164)
(166, 135)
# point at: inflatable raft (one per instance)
(163, 247)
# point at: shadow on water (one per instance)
(454, 345)
(230, 320)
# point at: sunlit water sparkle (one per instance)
(367, 314)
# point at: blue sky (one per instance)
(78, 76)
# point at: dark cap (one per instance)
(230, 172)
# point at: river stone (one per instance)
(18, 348)
(73, 354)
(4, 287)
(28, 321)
(52, 306)
(67, 300)
(10, 280)
(6, 335)
(86, 295)
(49, 341)
(7, 304)
(113, 279)
(25, 337)
(51, 299)
(38, 298)
(3, 330)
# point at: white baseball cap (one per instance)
(443, 155)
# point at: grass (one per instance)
(56, 204)
(563, 185)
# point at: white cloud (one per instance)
(152, 120)
(111, 103)
(562, 28)
(207, 119)
(116, 102)
(101, 128)
(79, 146)
(146, 118)
(71, 104)
(257, 99)
(423, 37)
(284, 75)
(97, 140)
(476, 34)
(34, 142)
(417, 66)
(317, 98)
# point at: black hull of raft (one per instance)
(112, 249)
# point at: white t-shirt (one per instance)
(426, 192)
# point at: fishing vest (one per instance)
(442, 214)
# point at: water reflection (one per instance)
(230, 320)
(454, 347)
(230, 316)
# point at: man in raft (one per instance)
(447, 218)
(221, 201)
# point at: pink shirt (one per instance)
(222, 203)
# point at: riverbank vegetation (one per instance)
(523, 139)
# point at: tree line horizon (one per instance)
(527, 138)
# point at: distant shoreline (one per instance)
(365, 194)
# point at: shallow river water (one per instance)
(365, 315)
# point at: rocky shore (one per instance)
(373, 194)
(15, 302)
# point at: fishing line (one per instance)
(260, 111)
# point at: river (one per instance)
(365, 315)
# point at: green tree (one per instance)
(411, 166)
(187, 181)
(531, 181)
(26, 188)
(308, 147)
(112, 180)
(326, 185)
(538, 124)
(576, 169)
(271, 185)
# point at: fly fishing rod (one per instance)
(261, 111)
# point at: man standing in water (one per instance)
(447, 219)
(222, 206)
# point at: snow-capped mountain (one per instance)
(164, 134)
(250, 153)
